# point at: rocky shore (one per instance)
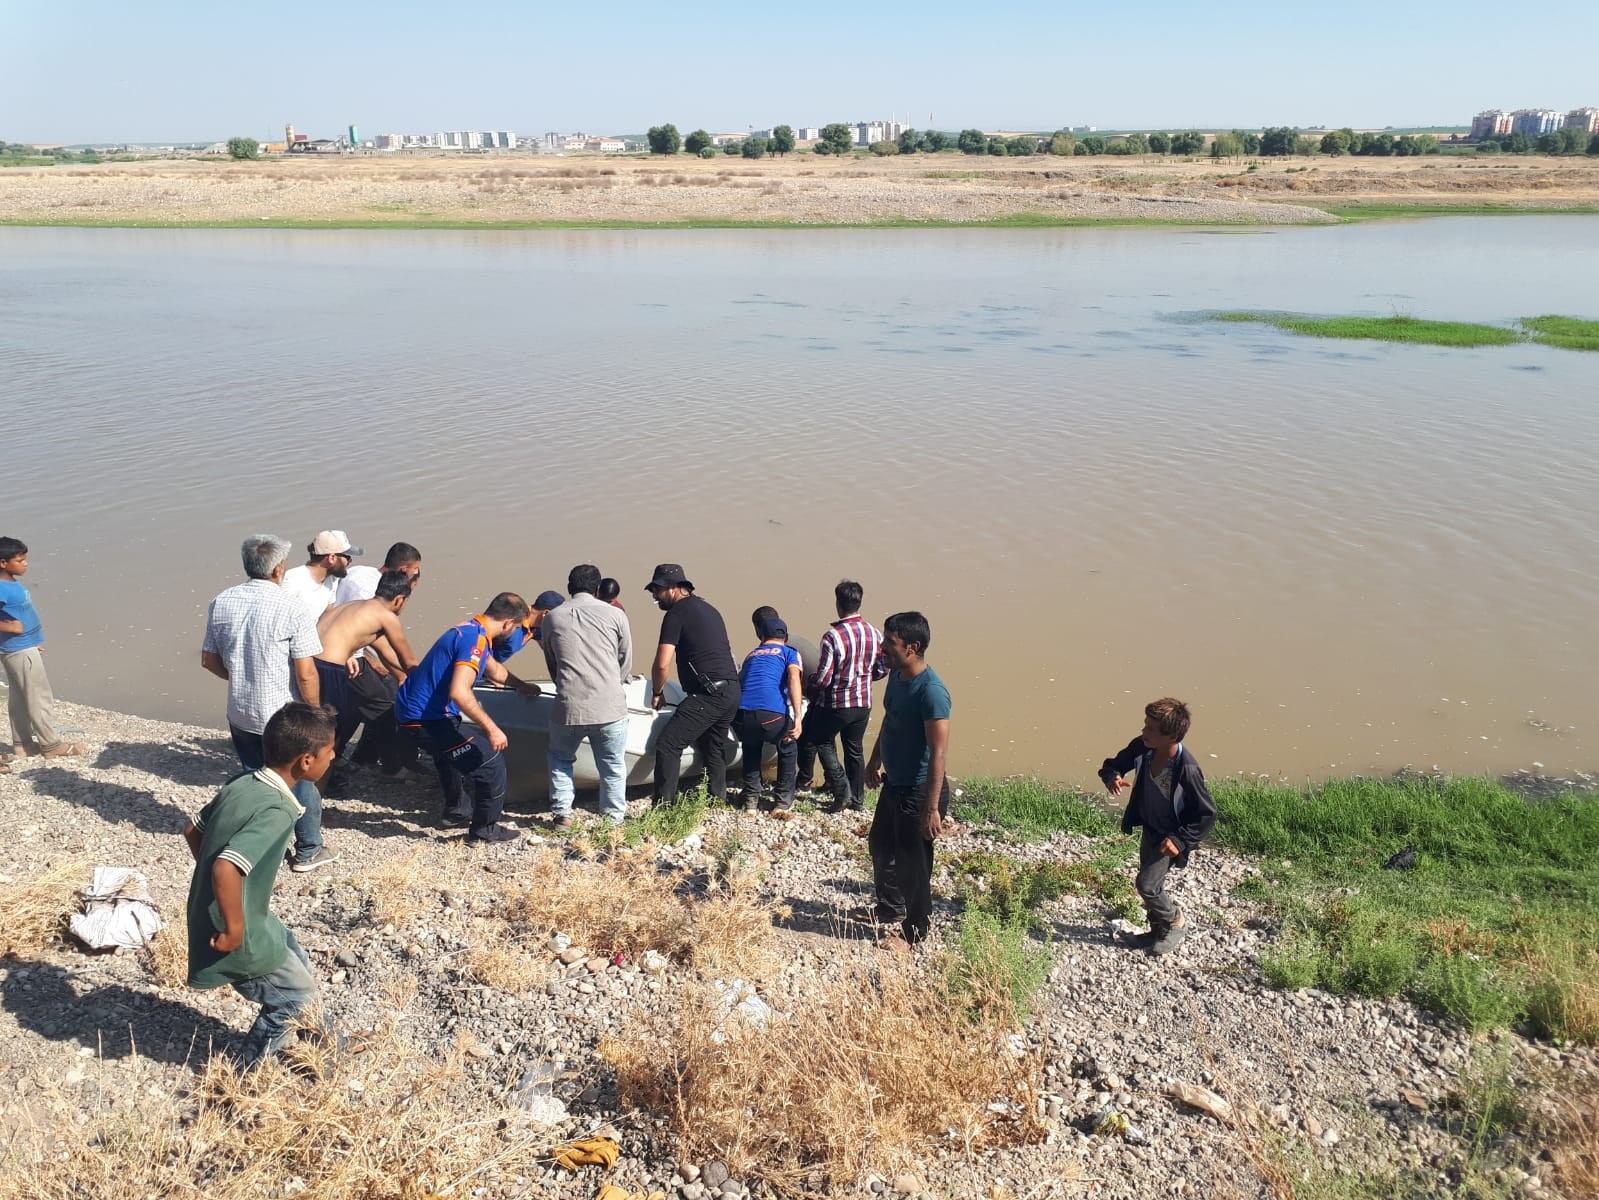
(406, 923)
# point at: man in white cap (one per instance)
(315, 583)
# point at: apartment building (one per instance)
(1585, 119)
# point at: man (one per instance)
(693, 633)
(512, 643)
(263, 643)
(361, 583)
(373, 687)
(588, 648)
(908, 761)
(348, 632)
(841, 697)
(315, 582)
(433, 699)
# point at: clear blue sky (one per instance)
(92, 70)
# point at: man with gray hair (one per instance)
(263, 642)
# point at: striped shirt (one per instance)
(257, 628)
(852, 657)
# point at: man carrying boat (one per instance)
(695, 636)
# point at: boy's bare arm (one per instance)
(192, 835)
(7, 625)
(394, 636)
(227, 884)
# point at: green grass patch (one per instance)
(1396, 328)
(669, 823)
(996, 968)
(1381, 212)
(1014, 893)
(1030, 809)
(1492, 925)
(1569, 333)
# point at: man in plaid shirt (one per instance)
(841, 697)
(263, 642)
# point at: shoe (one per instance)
(857, 806)
(1168, 941)
(64, 750)
(1142, 941)
(452, 820)
(498, 832)
(782, 814)
(752, 805)
(894, 944)
(562, 820)
(403, 775)
(310, 862)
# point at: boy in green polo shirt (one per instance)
(238, 842)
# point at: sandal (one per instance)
(5, 768)
(65, 750)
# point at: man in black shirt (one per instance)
(692, 632)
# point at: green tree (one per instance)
(1426, 143)
(753, 147)
(732, 149)
(243, 147)
(1023, 144)
(838, 138)
(1122, 146)
(909, 141)
(1548, 143)
(1593, 144)
(1225, 145)
(1335, 142)
(1573, 140)
(935, 140)
(1093, 144)
(694, 142)
(1516, 143)
(1274, 143)
(997, 147)
(708, 152)
(782, 140)
(884, 148)
(1188, 142)
(1248, 143)
(1061, 142)
(1488, 146)
(972, 141)
(1159, 143)
(1304, 145)
(664, 139)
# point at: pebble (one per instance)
(714, 1174)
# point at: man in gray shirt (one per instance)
(588, 646)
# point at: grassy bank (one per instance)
(1566, 333)
(1388, 211)
(1491, 922)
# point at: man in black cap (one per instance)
(694, 634)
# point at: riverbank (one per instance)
(489, 1049)
(801, 190)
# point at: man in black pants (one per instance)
(908, 760)
(694, 634)
(841, 698)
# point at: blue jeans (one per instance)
(609, 743)
(308, 829)
(282, 994)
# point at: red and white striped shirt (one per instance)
(852, 657)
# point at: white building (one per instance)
(867, 132)
(1492, 122)
(1585, 119)
(1534, 122)
(807, 133)
(388, 141)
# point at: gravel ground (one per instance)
(1352, 1083)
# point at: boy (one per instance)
(768, 692)
(31, 704)
(238, 842)
(908, 762)
(1170, 800)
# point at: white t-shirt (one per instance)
(316, 597)
(359, 583)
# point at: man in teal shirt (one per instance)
(238, 842)
(908, 762)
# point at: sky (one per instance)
(165, 70)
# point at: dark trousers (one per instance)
(701, 720)
(308, 829)
(846, 781)
(333, 680)
(372, 696)
(460, 758)
(758, 728)
(1153, 867)
(902, 858)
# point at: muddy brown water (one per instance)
(1346, 556)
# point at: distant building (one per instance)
(605, 146)
(1585, 119)
(388, 141)
(808, 133)
(1492, 122)
(1535, 122)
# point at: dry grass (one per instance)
(393, 1123)
(35, 908)
(167, 956)
(1574, 1146)
(877, 1068)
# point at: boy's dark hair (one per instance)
(762, 614)
(585, 578)
(1170, 716)
(911, 628)
(296, 729)
(507, 606)
(847, 595)
(609, 589)
(392, 586)
(10, 547)
(401, 554)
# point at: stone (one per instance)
(597, 966)
(906, 1183)
(1312, 1127)
(693, 1191)
(479, 1051)
(346, 958)
(687, 1172)
(714, 1174)
(571, 955)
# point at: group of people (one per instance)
(314, 652)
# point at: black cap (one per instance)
(668, 575)
(549, 600)
(773, 626)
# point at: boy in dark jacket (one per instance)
(1170, 800)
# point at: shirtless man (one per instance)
(346, 630)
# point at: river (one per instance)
(1346, 556)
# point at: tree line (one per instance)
(1561, 141)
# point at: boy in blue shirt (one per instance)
(1170, 800)
(769, 685)
(31, 704)
(908, 763)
